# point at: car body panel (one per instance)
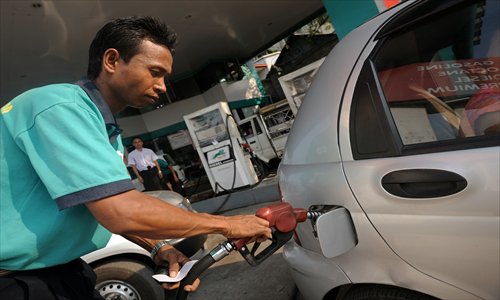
(308, 185)
(308, 266)
(452, 238)
(371, 260)
(444, 246)
(117, 245)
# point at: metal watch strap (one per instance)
(157, 248)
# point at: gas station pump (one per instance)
(218, 142)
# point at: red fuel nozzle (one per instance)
(283, 219)
(282, 216)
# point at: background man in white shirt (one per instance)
(144, 163)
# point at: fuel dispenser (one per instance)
(218, 142)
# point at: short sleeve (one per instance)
(69, 149)
(153, 156)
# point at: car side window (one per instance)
(246, 129)
(257, 127)
(440, 76)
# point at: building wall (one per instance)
(173, 113)
(213, 95)
(132, 126)
(347, 15)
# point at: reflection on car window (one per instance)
(441, 78)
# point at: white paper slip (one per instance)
(180, 275)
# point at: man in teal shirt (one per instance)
(48, 164)
(64, 187)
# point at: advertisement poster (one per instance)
(179, 139)
(443, 79)
(219, 156)
(209, 128)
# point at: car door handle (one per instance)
(253, 142)
(423, 183)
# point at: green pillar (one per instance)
(346, 15)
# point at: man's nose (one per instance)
(160, 86)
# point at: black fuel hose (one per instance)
(198, 268)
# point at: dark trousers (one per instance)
(74, 280)
(152, 181)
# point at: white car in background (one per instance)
(124, 269)
(397, 145)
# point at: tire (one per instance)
(382, 292)
(127, 280)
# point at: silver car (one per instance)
(396, 148)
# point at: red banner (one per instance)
(443, 79)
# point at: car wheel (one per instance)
(127, 280)
(378, 292)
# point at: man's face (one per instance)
(139, 82)
(137, 144)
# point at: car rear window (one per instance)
(441, 75)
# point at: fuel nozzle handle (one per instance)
(283, 219)
(282, 216)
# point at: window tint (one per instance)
(279, 122)
(441, 77)
(246, 129)
(257, 126)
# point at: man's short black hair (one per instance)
(126, 35)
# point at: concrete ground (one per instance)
(233, 278)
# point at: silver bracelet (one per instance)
(157, 248)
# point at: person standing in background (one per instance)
(144, 163)
(169, 175)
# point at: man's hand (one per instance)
(248, 226)
(140, 179)
(175, 260)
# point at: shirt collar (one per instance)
(95, 95)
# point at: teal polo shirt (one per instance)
(164, 166)
(60, 148)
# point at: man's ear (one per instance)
(110, 58)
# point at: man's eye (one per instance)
(155, 73)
